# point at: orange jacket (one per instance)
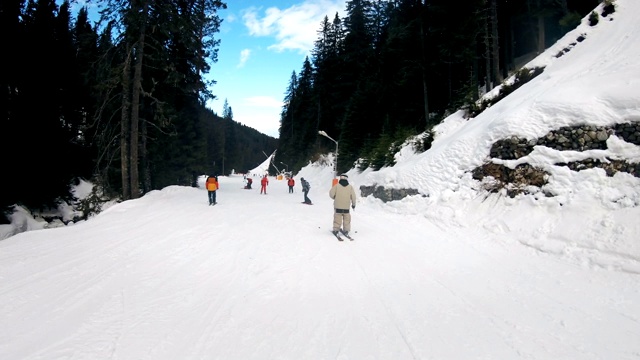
(212, 184)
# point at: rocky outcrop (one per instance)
(577, 138)
(386, 194)
(525, 176)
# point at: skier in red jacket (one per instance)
(291, 184)
(264, 182)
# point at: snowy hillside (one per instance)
(597, 82)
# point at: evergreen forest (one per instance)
(393, 69)
(122, 101)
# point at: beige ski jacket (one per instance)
(343, 196)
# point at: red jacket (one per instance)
(264, 181)
(291, 182)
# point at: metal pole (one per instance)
(335, 165)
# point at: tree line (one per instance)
(392, 69)
(120, 101)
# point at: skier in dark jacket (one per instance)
(305, 190)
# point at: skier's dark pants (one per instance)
(290, 189)
(212, 197)
(306, 198)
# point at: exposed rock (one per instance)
(386, 195)
(579, 138)
(516, 180)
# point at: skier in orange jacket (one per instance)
(212, 186)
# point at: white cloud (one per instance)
(263, 101)
(230, 18)
(244, 57)
(259, 112)
(257, 26)
(294, 28)
(265, 120)
(226, 26)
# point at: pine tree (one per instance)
(162, 84)
(288, 130)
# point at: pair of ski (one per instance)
(339, 235)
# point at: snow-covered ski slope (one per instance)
(453, 275)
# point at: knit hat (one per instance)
(344, 176)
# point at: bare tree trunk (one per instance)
(509, 57)
(146, 170)
(541, 34)
(487, 55)
(473, 78)
(124, 128)
(135, 109)
(319, 114)
(423, 71)
(541, 29)
(495, 48)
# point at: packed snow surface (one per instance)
(452, 273)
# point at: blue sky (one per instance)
(263, 42)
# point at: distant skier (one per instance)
(343, 196)
(264, 182)
(212, 186)
(249, 181)
(291, 184)
(305, 190)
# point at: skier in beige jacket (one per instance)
(343, 196)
